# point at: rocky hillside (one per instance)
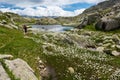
(12, 20)
(46, 21)
(102, 6)
(106, 12)
(67, 21)
(103, 16)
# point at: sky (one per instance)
(41, 8)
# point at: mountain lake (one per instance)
(53, 28)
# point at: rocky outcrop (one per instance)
(89, 19)
(10, 26)
(105, 16)
(107, 24)
(18, 68)
(102, 6)
(84, 22)
(46, 21)
(14, 21)
(110, 17)
(46, 71)
(3, 74)
(21, 69)
(6, 20)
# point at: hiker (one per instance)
(25, 29)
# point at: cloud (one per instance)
(44, 7)
(78, 11)
(44, 11)
(34, 3)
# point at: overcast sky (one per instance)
(46, 7)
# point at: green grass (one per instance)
(13, 42)
(92, 28)
(60, 53)
(61, 62)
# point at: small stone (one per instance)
(4, 22)
(100, 44)
(116, 39)
(87, 34)
(45, 73)
(107, 44)
(40, 62)
(48, 72)
(3, 56)
(41, 66)
(118, 46)
(71, 70)
(113, 46)
(115, 53)
(100, 49)
(107, 37)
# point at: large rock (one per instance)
(3, 74)
(107, 24)
(83, 23)
(20, 69)
(89, 19)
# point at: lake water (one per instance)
(54, 28)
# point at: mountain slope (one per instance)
(103, 15)
(12, 20)
(102, 6)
